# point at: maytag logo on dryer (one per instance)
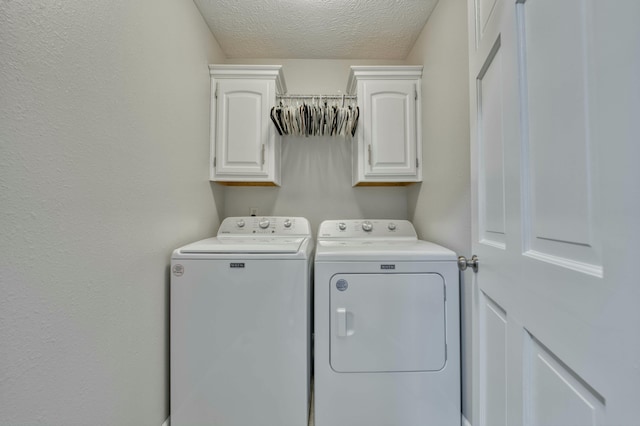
(387, 266)
(236, 265)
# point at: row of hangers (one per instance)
(316, 115)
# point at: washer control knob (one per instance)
(342, 226)
(367, 226)
(391, 226)
(264, 223)
(287, 223)
(240, 223)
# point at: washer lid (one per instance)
(244, 245)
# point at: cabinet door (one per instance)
(243, 138)
(389, 131)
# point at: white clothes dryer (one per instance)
(387, 330)
(241, 324)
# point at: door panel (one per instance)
(556, 108)
(393, 107)
(556, 395)
(242, 127)
(485, 9)
(555, 100)
(491, 152)
(493, 362)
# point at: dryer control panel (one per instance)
(265, 225)
(367, 228)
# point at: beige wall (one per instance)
(440, 206)
(103, 171)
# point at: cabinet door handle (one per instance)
(370, 162)
(262, 154)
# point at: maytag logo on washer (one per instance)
(178, 270)
(236, 265)
(342, 285)
(387, 266)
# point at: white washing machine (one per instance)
(240, 325)
(387, 331)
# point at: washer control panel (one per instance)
(366, 228)
(265, 225)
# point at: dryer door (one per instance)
(387, 322)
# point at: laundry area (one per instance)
(323, 213)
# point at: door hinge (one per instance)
(416, 94)
(417, 163)
(262, 155)
(214, 162)
(215, 94)
(370, 162)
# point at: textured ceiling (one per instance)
(316, 29)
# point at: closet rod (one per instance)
(348, 97)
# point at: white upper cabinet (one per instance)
(388, 145)
(245, 148)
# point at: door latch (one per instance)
(464, 263)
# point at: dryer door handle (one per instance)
(341, 318)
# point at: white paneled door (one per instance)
(555, 95)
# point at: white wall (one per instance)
(440, 206)
(103, 171)
(316, 171)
